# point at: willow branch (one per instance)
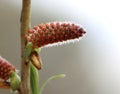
(25, 67)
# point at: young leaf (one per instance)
(49, 79)
(34, 79)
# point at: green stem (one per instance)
(49, 79)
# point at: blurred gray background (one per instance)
(92, 65)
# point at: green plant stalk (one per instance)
(49, 79)
(34, 79)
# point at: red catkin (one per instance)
(5, 69)
(50, 33)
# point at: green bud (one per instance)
(14, 81)
(28, 51)
(37, 50)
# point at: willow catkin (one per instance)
(5, 69)
(54, 33)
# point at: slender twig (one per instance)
(25, 67)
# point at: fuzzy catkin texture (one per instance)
(54, 33)
(5, 69)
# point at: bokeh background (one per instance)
(92, 65)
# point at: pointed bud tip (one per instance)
(62, 75)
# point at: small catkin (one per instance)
(54, 33)
(5, 69)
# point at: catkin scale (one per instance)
(51, 33)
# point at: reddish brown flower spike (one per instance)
(51, 33)
(5, 69)
(30, 31)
